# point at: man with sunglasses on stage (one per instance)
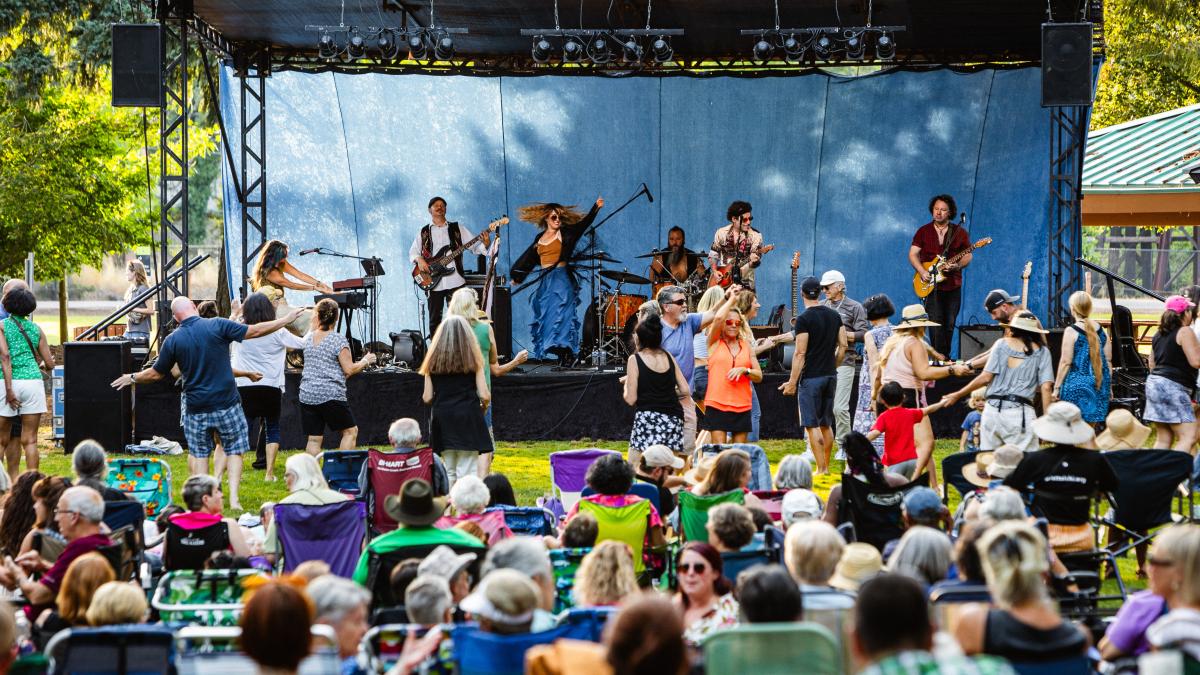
(736, 247)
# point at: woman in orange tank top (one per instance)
(732, 370)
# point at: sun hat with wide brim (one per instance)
(859, 563)
(976, 473)
(915, 316)
(1063, 424)
(415, 505)
(699, 471)
(1027, 323)
(1123, 432)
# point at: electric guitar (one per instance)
(936, 276)
(724, 275)
(441, 263)
(1025, 284)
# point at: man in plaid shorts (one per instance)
(200, 347)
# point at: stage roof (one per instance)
(937, 31)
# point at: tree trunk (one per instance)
(62, 312)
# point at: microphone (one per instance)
(647, 191)
(310, 250)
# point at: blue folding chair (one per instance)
(341, 469)
(1074, 666)
(738, 561)
(480, 653)
(119, 650)
(528, 520)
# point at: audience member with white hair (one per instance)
(428, 601)
(90, 464)
(924, 554)
(342, 605)
(306, 485)
(794, 473)
(469, 495)
(405, 436)
(811, 551)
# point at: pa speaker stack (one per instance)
(92, 408)
(1066, 64)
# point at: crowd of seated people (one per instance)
(445, 568)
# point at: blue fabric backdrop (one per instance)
(840, 169)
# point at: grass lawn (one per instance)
(48, 322)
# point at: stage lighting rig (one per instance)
(826, 43)
(444, 48)
(386, 42)
(387, 45)
(418, 48)
(600, 46)
(662, 49)
(763, 49)
(631, 50)
(598, 50)
(356, 47)
(794, 48)
(572, 50)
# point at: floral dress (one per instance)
(864, 416)
(724, 614)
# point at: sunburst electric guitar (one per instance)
(936, 276)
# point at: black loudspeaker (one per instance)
(974, 340)
(502, 321)
(408, 347)
(91, 407)
(1066, 64)
(136, 65)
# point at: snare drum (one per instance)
(618, 308)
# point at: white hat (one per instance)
(800, 504)
(832, 277)
(443, 562)
(660, 455)
(505, 596)
(1063, 424)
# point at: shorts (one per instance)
(260, 401)
(815, 397)
(716, 419)
(1167, 402)
(231, 428)
(32, 397)
(333, 414)
(1006, 423)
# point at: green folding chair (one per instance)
(773, 649)
(626, 524)
(693, 511)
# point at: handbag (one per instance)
(37, 357)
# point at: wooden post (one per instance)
(63, 336)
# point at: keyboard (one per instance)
(353, 284)
(345, 300)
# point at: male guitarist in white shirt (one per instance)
(429, 240)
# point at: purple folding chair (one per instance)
(568, 471)
(332, 532)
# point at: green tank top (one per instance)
(24, 363)
(485, 348)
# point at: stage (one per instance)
(534, 405)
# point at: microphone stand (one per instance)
(374, 289)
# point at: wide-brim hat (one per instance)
(1063, 424)
(859, 563)
(445, 563)
(1123, 432)
(1004, 461)
(915, 316)
(976, 473)
(1027, 323)
(415, 504)
(700, 470)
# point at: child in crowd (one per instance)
(907, 435)
(970, 425)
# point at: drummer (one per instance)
(675, 264)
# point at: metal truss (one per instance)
(252, 71)
(173, 166)
(1068, 133)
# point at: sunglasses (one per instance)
(689, 568)
(733, 322)
(679, 302)
(1159, 562)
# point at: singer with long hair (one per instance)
(556, 324)
(273, 273)
(941, 237)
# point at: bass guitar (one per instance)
(933, 267)
(441, 263)
(1025, 284)
(724, 275)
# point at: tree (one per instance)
(1153, 62)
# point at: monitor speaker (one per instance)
(974, 340)
(91, 407)
(136, 65)
(1066, 64)
(502, 321)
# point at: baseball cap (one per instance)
(997, 297)
(505, 596)
(811, 288)
(1178, 303)
(660, 455)
(800, 504)
(832, 277)
(922, 502)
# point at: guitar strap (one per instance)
(455, 241)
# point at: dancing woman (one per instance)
(271, 276)
(555, 326)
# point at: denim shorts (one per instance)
(815, 397)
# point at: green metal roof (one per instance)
(1150, 154)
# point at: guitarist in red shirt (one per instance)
(429, 241)
(941, 237)
(737, 248)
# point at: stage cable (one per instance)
(337, 96)
(586, 386)
(820, 163)
(987, 104)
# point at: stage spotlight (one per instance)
(417, 47)
(662, 49)
(885, 47)
(598, 50)
(541, 49)
(823, 46)
(855, 47)
(572, 50)
(386, 43)
(356, 47)
(632, 50)
(793, 49)
(444, 49)
(327, 47)
(763, 49)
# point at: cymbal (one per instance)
(624, 277)
(656, 253)
(602, 256)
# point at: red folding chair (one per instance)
(386, 473)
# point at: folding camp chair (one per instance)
(205, 597)
(875, 511)
(772, 502)
(380, 565)
(492, 523)
(124, 520)
(693, 511)
(948, 601)
(207, 650)
(186, 549)
(736, 562)
(565, 563)
(480, 653)
(628, 524)
(529, 520)
(647, 491)
(119, 650)
(146, 479)
(568, 471)
(1079, 665)
(760, 466)
(341, 469)
(773, 649)
(386, 474)
(384, 645)
(333, 533)
(1142, 500)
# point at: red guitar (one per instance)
(723, 275)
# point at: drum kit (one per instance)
(612, 314)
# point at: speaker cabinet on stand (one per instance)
(1066, 64)
(91, 407)
(137, 65)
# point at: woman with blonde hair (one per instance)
(306, 485)
(606, 576)
(137, 324)
(273, 273)
(327, 364)
(1083, 368)
(116, 603)
(1024, 626)
(465, 303)
(457, 393)
(555, 326)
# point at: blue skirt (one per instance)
(555, 313)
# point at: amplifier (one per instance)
(501, 311)
(976, 339)
(91, 407)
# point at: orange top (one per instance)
(548, 253)
(722, 393)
